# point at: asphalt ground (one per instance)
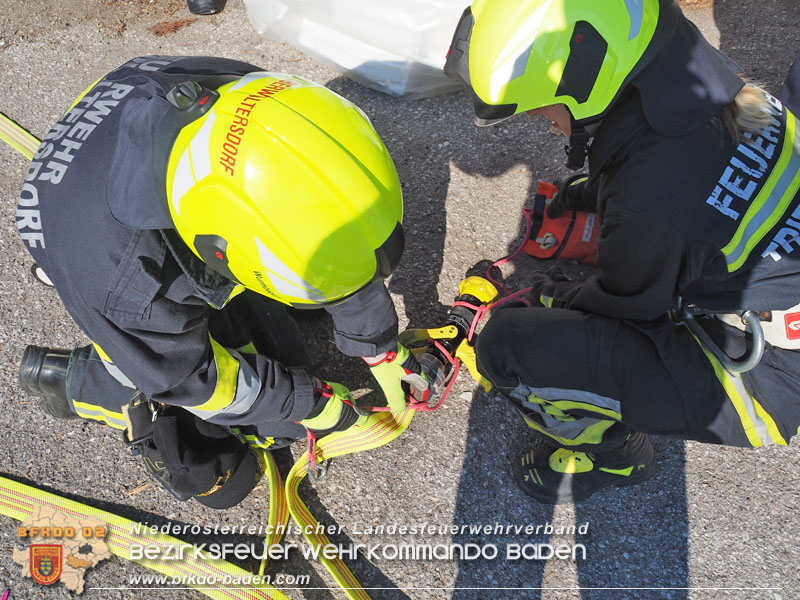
(714, 522)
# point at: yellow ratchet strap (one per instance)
(412, 338)
(466, 354)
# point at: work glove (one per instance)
(543, 285)
(399, 376)
(334, 409)
(571, 196)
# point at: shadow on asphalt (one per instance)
(636, 537)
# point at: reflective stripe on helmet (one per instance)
(194, 164)
(256, 75)
(286, 281)
(513, 58)
(636, 11)
(520, 55)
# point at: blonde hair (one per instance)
(748, 113)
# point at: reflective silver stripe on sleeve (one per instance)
(248, 386)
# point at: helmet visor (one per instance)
(456, 67)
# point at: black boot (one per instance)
(43, 373)
(563, 476)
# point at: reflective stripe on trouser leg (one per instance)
(758, 425)
(93, 412)
(113, 369)
(96, 393)
(570, 418)
(567, 390)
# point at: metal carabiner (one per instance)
(317, 472)
(751, 323)
(548, 240)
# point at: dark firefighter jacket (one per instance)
(687, 212)
(92, 214)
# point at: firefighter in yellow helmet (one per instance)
(689, 326)
(178, 207)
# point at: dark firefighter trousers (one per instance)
(587, 381)
(248, 322)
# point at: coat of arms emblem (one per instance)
(46, 563)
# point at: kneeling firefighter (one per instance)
(690, 326)
(178, 207)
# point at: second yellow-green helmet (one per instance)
(284, 187)
(519, 55)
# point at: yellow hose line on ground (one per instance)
(381, 428)
(16, 137)
(278, 509)
(18, 501)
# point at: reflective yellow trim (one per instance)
(772, 428)
(253, 440)
(593, 434)
(238, 289)
(98, 413)
(626, 472)
(558, 408)
(569, 461)
(740, 404)
(227, 377)
(738, 249)
(83, 93)
(102, 353)
(248, 349)
(550, 409)
(737, 401)
(573, 405)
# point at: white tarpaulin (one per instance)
(395, 46)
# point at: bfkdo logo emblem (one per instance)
(46, 562)
(792, 322)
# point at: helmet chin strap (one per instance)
(578, 146)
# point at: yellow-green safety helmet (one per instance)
(284, 187)
(519, 55)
